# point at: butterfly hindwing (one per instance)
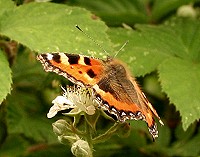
(121, 96)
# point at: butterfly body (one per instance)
(114, 88)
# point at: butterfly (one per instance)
(113, 86)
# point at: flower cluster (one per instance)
(79, 129)
(78, 99)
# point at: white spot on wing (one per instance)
(81, 61)
(64, 59)
(49, 56)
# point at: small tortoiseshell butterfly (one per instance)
(113, 87)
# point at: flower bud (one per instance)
(60, 127)
(81, 148)
(67, 139)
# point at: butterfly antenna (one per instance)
(91, 38)
(121, 48)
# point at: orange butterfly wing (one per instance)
(115, 90)
(79, 69)
(122, 96)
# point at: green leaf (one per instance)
(131, 12)
(162, 8)
(152, 86)
(189, 148)
(51, 27)
(14, 146)
(179, 74)
(5, 77)
(24, 117)
(126, 11)
(180, 80)
(188, 33)
(145, 50)
(27, 72)
(5, 7)
(18, 146)
(182, 135)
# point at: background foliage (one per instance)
(163, 52)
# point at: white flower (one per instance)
(75, 97)
(60, 103)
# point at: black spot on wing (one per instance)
(80, 72)
(42, 56)
(91, 73)
(56, 57)
(87, 61)
(73, 59)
